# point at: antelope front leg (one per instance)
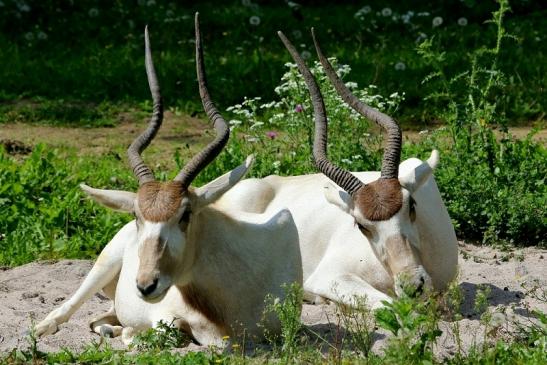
(346, 289)
(106, 268)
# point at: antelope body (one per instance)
(373, 234)
(204, 267)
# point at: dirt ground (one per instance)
(28, 293)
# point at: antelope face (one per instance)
(395, 240)
(385, 213)
(162, 213)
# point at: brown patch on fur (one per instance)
(401, 255)
(380, 199)
(199, 302)
(158, 201)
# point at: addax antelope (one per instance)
(371, 234)
(185, 260)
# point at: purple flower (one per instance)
(298, 108)
(271, 134)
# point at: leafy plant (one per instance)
(414, 325)
(288, 312)
(163, 337)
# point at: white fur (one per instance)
(340, 262)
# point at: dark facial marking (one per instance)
(412, 209)
(379, 200)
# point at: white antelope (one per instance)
(375, 233)
(184, 260)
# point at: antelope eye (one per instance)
(185, 217)
(362, 228)
(412, 209)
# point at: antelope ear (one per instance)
(210, 192)
(338, 197)
(123, 201)
(417, 177)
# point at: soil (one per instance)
(178, 131)
(28, 293)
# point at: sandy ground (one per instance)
(33, 290)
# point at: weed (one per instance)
(162, 337)
(288, 312)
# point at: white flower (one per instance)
(24, 8)
(93, 12)
(405, 18)
(254, 20)
(29, 36)
(437, 21)
(151, 3)
(386, 12)
(169, 13)
(246, 2)
(42, 36)
(276, 165)
(462, 22)
(497, 319)
(351, 85)
(292, 4)
(400, 66)
(365, 9)
(421, 37)
(306, 55)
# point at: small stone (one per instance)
(29, 295)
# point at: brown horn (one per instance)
(141, 171)
(343, 178)
(208, 154)
(392, 153)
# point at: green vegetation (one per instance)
(43, 212)
(91, 52)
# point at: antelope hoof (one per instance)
(46, 327)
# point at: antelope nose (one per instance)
(147, 289)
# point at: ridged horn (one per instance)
(341, 177)
(140, 169)
(392, 153)
(208, 154)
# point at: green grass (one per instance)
(90, 52)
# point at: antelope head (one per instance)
(384, 210)
(164, 211)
